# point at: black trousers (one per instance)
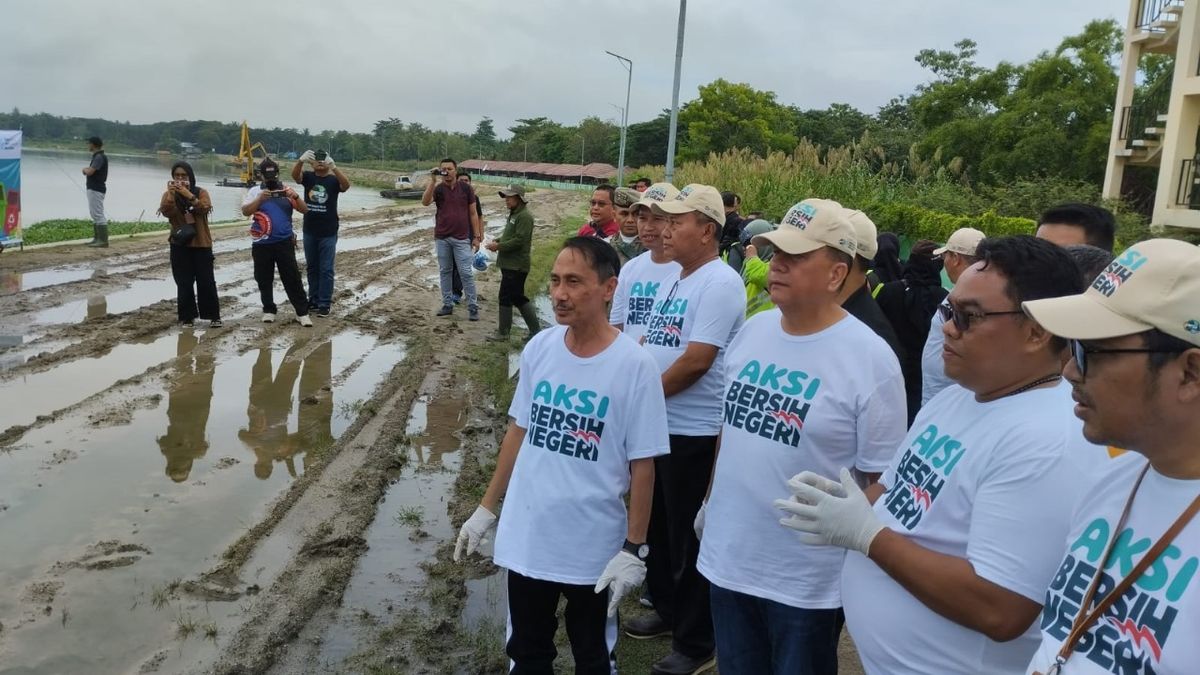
(679, 591)
(281, 255)
(533, 621)
(512, 288)
(194, 281)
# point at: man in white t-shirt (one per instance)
(808, 387)
(696, 314)
(946, 572)
(588, 417)
(957, 255)
(1135, 342)
(642, 278)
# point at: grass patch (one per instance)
(411, 516)
(70, 229)
(185, 626)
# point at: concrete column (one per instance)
(1114, 172)
(1183, 119)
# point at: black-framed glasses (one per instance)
(1080, 353)
(964, 320)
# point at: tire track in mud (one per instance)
(384, 292)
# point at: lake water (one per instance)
(52, 187)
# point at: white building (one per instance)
(1159, 128)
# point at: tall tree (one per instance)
(734, 115)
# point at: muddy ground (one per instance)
(193, 500)
(257, 498)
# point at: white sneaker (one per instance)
(305, 321)
(268, 317)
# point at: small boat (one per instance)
(401, 194)
(234, 182)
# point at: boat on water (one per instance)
(401, 194)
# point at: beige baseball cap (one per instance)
(704, 199)
(964, 241)
(656, 194)
(865, 233)
(514, 190)
(1153, 284)
(810, 225)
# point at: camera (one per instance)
(320, 155)
(439, 172)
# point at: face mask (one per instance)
(628, 240)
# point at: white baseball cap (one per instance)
(865, 233)
(964, 241)
(1153, 284)
(810, 225)
(656, 194)
(704, 199)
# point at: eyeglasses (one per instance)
(1080, 352)
(964, 320)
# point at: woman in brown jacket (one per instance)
(187, 207)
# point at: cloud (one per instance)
(325, 65)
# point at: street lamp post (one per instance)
(675, 92)
(628, 65)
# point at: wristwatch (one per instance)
(639, 551)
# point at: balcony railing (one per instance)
(1186, 193)
(1144, 112)
(1150, 11)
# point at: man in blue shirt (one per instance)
(271, 205)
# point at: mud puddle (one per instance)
(410, 524)
(101, 535)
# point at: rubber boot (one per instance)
(101, 237)
(95, 235)
(505, 328)
(531, 318)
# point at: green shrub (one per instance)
(917, 223)
(49, 231)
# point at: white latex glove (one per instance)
(698, 523)
(329, 160)
(621, 575)
(308, 156)
(829, 513)
(474, 533)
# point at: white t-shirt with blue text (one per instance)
(708, 306)
(794, 403)
(991, 483)
(1155, 626)
(585, 420)
(639, 283)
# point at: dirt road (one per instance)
(200, 500)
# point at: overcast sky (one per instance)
(344, 65)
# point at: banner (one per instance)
(10, 187)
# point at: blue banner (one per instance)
(10, 187)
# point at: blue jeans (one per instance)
(459, 252)
(756, 636)
(318, 258)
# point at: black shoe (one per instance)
(323, 311)
(446, 310)
(678, 664)
(646, 627)
(473, 313)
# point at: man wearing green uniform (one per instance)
(512, 249)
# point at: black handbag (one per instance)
(184, 235)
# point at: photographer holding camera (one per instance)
(187, 206)
(274, 242)
(322, 185)
(458, 231)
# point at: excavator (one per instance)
(245, 162)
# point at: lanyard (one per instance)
(1085, 619)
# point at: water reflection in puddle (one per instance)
(180, 475)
